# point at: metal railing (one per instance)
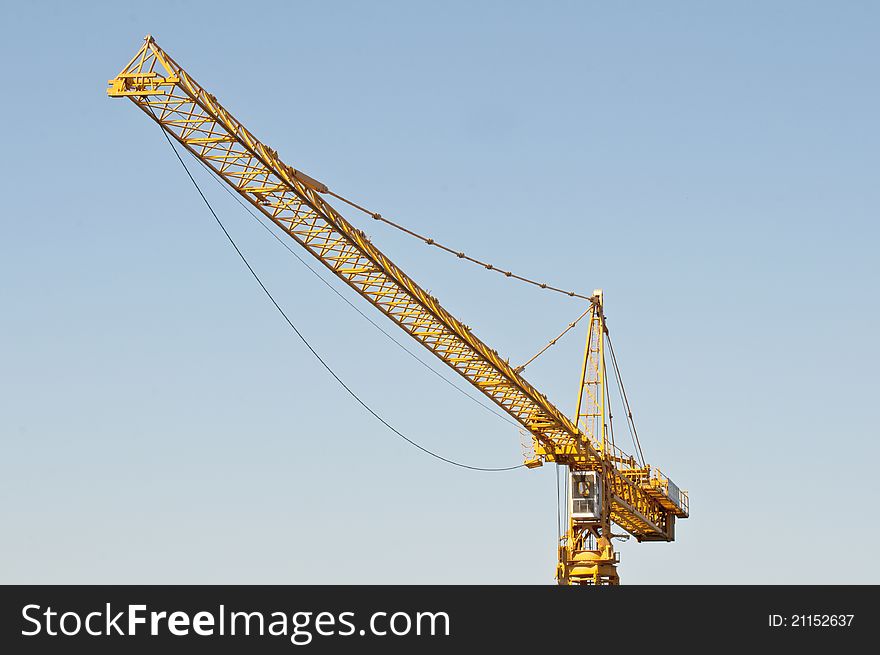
(678, 496)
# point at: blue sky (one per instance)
(713, 167)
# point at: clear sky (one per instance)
(712, 166)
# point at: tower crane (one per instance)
(605, 486)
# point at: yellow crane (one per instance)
(605, 486)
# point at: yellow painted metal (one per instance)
(586, 553)
(154, 82)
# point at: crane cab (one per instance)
(585, 496)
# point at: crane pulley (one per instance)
(606, 485)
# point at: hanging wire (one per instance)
(558, 512)
(607, 392)
(566, 494)
(623, 397)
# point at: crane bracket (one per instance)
(139, 84)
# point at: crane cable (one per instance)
(630, 423)
(558, 517)
(610, 410)
(336, 291)
(552, 342)
(322, 188)
(458, 253)
(308, 345)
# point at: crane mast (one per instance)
(633, 496)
